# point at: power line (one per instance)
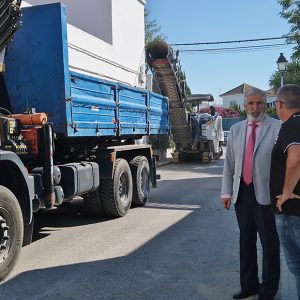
(236, 49)
(235, 41)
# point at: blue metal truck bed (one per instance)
(38, 76)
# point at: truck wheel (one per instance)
(206, 157)
(116, 193)
(92, 204)
(11, 231)
(141, 180)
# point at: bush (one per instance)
(236, 112)
(271, 111)
(161, 142)
(223, 112)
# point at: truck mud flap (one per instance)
(155, 176)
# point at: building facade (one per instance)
(235, 97)
(106, 38)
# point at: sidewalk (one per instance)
(164, 162)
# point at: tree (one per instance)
(187, 89)
(291, 12)
(152, 33)
(152, 30)
(291, 75)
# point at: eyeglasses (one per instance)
(280, 101)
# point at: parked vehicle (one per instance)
(65, 134)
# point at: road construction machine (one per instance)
(197, 136)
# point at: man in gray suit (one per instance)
(245, 184)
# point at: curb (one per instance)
(162, 164)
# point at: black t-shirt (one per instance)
(289, 134)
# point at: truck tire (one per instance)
(140, 171)
(116, 193)
(207, 157)
(92, 204)
(11, 231)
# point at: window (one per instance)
(91, 16)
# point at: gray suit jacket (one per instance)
(261, 159)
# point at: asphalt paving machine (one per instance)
(197, 136)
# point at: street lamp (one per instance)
(282, 64)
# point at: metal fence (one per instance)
(228, 122)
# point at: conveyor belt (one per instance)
(160, 60)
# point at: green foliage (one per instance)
(238, 109)
(182, 77)
(243, 113)
(152, 30)
(223, 112)
(271, 111)
(291, 12)
(161, 142)
(152, 33)
(189, 107)
(292, 75)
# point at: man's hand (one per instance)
(281, 199)
(226, 202)
(292, 175)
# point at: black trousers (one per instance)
(254, 218)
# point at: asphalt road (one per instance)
(182, 245)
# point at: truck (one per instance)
(65, 134)
(196, 136)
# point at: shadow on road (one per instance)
(68, 215)
(181, 262)
(195, 258)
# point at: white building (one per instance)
(271, 97)
(236, 95)
(106, 38)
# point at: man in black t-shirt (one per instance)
(285, 175)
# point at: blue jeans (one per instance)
(288, 228)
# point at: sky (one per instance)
(192, 21)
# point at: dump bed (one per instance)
(79, 105)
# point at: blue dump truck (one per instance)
(64, 134)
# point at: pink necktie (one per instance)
(248, 158)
